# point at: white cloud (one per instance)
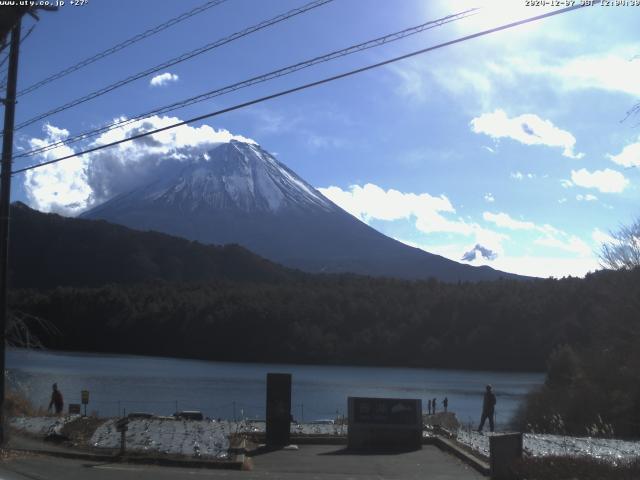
(317, 142)
(601, 237)
(586, 198)
(60, 187)
(163, 79)
(430, 213)
(612, 71)
(528, 129)
(372, 202)
(562, 200)
(433, 215)
(521, 176)
(544, 267)
(535, 266)
(505, 221)
(411, 82)
(571, 244)
(607, 180)
(628, 157)
(488, 197)
(551, 236)
(74, 185)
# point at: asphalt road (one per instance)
(310, 462)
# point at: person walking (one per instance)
(445, 404)
(488, 408)
(429, 406)
(56, 400)
(433, 405)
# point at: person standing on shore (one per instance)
(56, 400)
(433, 405)
(429, 406)
(488, 408)
(445, 404)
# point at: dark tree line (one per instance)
(344, 319)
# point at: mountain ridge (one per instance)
(48, 250)
(239, 193)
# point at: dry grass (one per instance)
(80, 430)
(17, 405)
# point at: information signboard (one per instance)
(385, 423)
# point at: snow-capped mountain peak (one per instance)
(239, 193)
(238, 175)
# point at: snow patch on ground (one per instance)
(205, 439)
(41, 425)
(538, 445)
(314, 428)
(210, 439)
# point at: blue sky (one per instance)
(514, 142)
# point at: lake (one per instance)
(120, 383)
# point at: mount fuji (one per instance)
(239, 193)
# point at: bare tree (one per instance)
(623, 251)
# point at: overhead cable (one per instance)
(121, 45)
(304, 87)
(175, 61)
(256, 80)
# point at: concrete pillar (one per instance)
(505, 449)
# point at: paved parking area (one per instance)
(309, 462)
(332, 461)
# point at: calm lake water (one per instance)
(218, 389)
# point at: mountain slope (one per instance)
(241, 194)
(48, 250)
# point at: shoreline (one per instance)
(73, 353)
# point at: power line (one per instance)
(305, 86)
(258, 79)
(176, 60)
(4, 60)
(122, 45)
(5, 70)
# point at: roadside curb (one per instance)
(237, 463)
(70, 455)
(260, 437)
(451, 447)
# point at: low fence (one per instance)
(235, 410)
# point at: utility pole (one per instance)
(5, 199)
(10, 20)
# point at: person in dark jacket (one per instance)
(445, 404)
(429, 406)
(488, 408)
(56, 400)
(433, 405)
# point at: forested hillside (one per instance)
(503, 325)
(48, 250)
